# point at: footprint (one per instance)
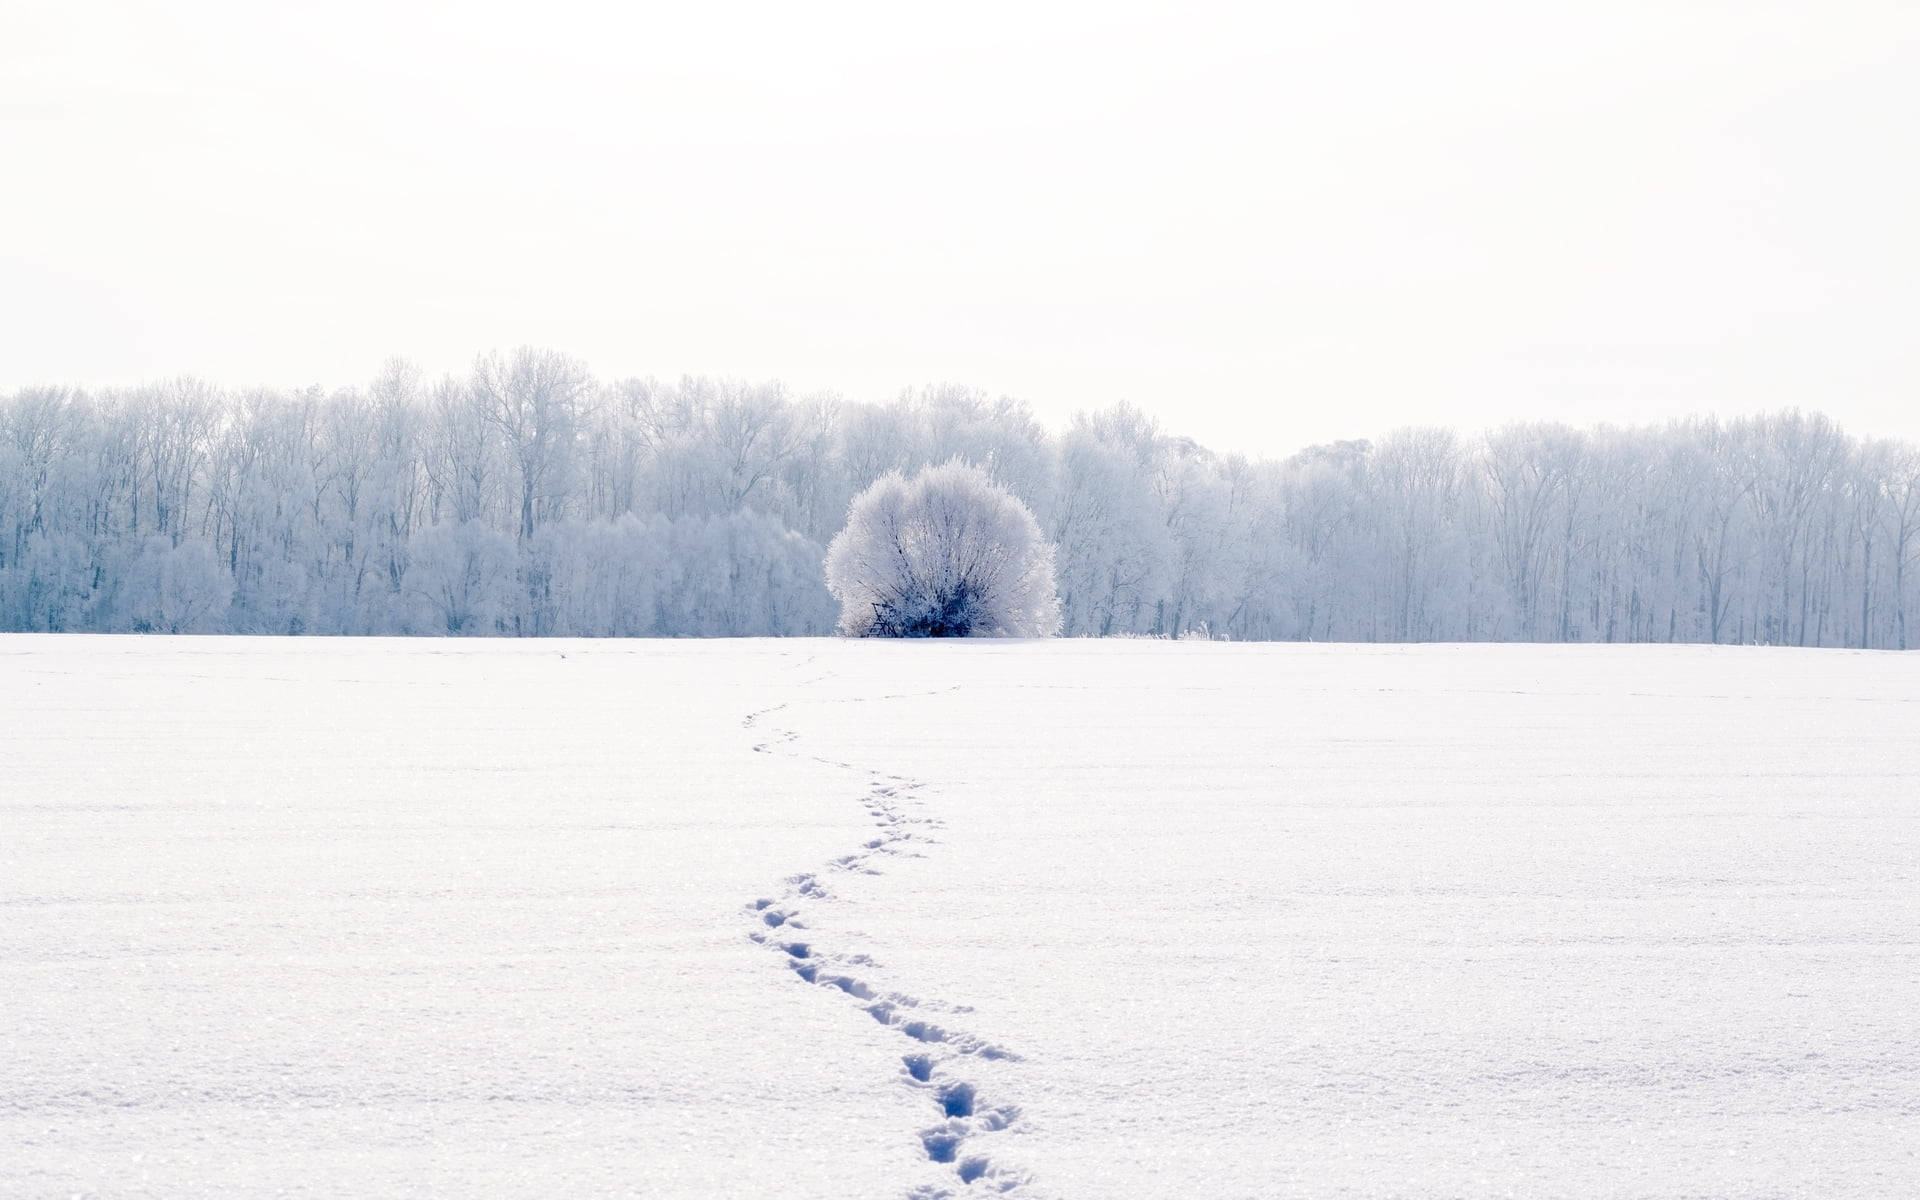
(956, 1099)
(896, 825)
(851, 986)
(941, 1145)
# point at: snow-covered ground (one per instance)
(1148, 919)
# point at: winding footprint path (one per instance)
(936, 1062)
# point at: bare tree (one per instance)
(533, 402)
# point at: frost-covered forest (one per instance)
(528, 498)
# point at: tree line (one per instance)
(526, 498)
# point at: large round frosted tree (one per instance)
(948, 553)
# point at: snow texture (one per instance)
(1047, 919)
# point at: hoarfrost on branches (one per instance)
(947, 553)
(525, 498)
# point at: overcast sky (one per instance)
(1269, 225)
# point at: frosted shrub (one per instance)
(945, 554)
(177, 589)
(462, 575)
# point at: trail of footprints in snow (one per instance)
(780, 926)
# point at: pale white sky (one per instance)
(1269, 225)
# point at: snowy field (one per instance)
(1068, 919)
